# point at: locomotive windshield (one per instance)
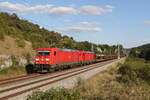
(43, 53)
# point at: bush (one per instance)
(14, 60)
(141, 52)
(133, 70)
(21, 43)
(145, 73)
(55, 94)
(127, 73)
(12, 71)
(3, 71)
(28, 57)
(2, 36)
(147, 57)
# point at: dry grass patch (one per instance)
(105, 86)
(11, 46)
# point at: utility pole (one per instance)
(118, 51)
(92, 48)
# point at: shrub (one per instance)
(145, 73)
(55, 94)
(21, 43)
(12, 71)
(127, 73)
(3, 71)
(2, 36)
(28, 57)
(133, 70)
(14, 61)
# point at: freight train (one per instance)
(50, 59)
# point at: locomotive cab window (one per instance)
(54, 53)
(43, 53)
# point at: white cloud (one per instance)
(93, 10)
(147, 22)
(24, 8)
(88, 23)
(109, 6)
(49, 9)
(56, 11)
(148, 41)
(80, 29)
(62, 11)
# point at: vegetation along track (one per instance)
(12, 91)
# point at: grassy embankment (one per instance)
(12, 71)
(16, 69)
(128, 81)
(14, 48)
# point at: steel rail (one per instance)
(19, 78)
(51, 77)
(24, 77)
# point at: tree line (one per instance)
(141, 52)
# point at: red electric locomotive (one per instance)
(48, 59)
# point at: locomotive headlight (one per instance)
(37, 59)
(47, 59)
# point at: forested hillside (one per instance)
(141, 52)
(19, 38)
(22, 30)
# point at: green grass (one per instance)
(128, 81)
(12, 71)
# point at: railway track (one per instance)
(26, 77)
(8, 91)
(19, 78)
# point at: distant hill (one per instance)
(127, 50)
(145, 46)
(142, 51)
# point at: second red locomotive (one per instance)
(48, 59)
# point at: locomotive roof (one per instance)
(64, 49)
(43, 49)
(69, 50)
(88, 52)
(72, 50)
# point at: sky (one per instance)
(112, 22)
